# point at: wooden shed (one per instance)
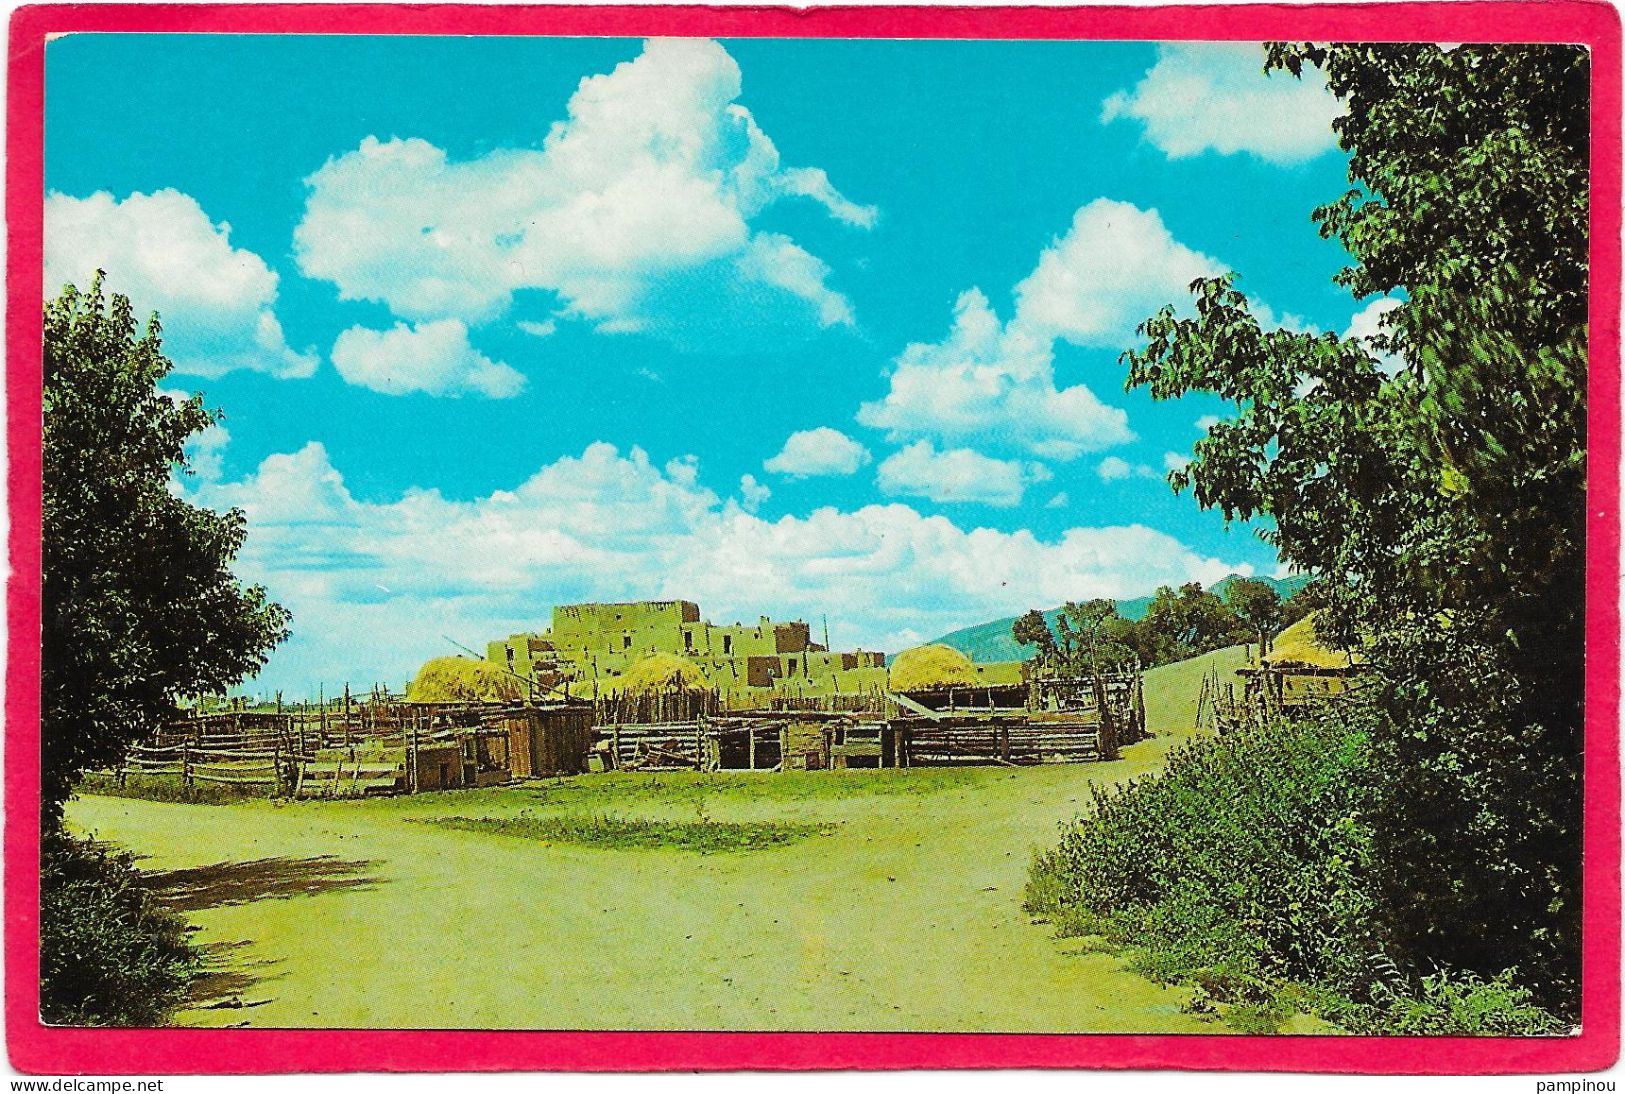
(554, 739)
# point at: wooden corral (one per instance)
(1046, 720)
(413, 747)
(382, 747)
(1015, 740)
(752, 741)
(1269, 691)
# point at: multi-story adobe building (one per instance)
(589, 642)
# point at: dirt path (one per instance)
(906, 917)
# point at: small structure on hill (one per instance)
(1299, 671)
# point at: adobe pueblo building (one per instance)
(590, 645)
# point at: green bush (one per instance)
(110, 955)
(1456, 1004)
(1244, 857)
(1247, 871)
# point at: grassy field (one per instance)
(882, 900)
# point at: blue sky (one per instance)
(785, 327)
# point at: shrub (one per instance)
(110, 955)
(1242, 861)
(1247, 870)
(1456, 1003)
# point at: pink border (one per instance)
(40, 1049)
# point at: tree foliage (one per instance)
(1178, 624)
(139, 602)
(1257, 606)
(1434, 481)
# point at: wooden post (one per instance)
(186, 765)
(346, 712)
(750, 744)
(408, 732)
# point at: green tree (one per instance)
(140, 605)
(1434, 480)
(1032, 629)
(1187, 622)
(1258, 606)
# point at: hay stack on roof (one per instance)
(663, 674)
(464, 680)
(925, 668)
(1299, 645)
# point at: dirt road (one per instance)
(905, 917)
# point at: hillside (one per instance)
(991, 641)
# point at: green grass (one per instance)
(691, 790)
(704, 836)
(169, 788)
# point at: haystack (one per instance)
(464, 680)
(663, 674)
(1299, 645)
(925, 668)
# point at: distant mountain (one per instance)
(991, 641)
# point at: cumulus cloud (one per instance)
(636, 210)
(433, 358)
(373, 584)
(956, 475)
(1214, 97)
(1116, 265)
(995, 381)
(820, 451)
(217, 302)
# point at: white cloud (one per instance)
(434, 358)
(1367, 323)
(752, 493)
(995, 382)
(1207, 422)
(1214, 97)
(217, 303)
(373, 585)
(956, 475)
(541, 330)
(1174, 461)
(635, 210)
(1059, 501)
(1115, 266)
(820, 451)
(1116, 469)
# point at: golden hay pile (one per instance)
(464, 680)
(1298, 644)
(662, 674)
(925, 667)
